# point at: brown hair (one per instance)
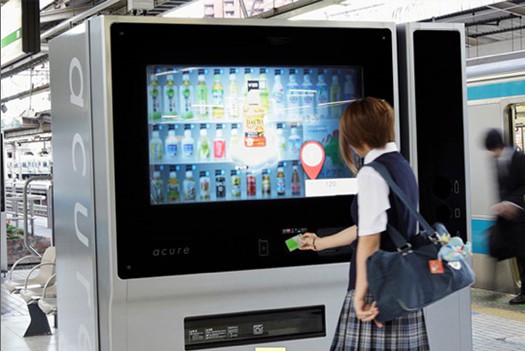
(367, 121)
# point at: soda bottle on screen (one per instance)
(188, 185)
(187, 143)
(293, 97)
(217, 95)
(201, 95)
(278, 96)
(264, 94)
(169, 97)
(155, 145)
(204, 185)
(266, 184)
(232, 95)
(171, 143)
(220, 184)
(173, 186)
(219, 144)
(186, 97)
(157, 187)
(154, 98)
(281, 185)
(296, 182)
(251, 185)
(203, 144)
(235, 183)
(322, 96)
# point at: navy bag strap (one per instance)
(383, 171)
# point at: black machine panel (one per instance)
(253, 327)
(440, 130)
(157, 238)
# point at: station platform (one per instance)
(496, 325)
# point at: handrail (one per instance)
(24, 196)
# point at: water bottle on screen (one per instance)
(171, 144)
(278, 97)
(187, 144)
(308, 98)
(293, 97)
(294, 142)
(232, 95)
(335, 96)
(322, 96)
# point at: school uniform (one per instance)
(372, 208)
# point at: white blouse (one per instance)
(373, 192)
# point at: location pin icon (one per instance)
(312, 157)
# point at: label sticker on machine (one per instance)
(254, 327)
(330, 187)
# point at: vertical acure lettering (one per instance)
(79, 161)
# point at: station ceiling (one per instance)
(492, 23)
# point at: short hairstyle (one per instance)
(365, 121)
(494, 140)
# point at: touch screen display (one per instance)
(240, 133)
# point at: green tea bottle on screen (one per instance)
(155, 145)
(169, 97)
(173, 186)
(264, 93)
(157, 187)
(186, 97)
(217, 95)
(154, 97)
(201, 96)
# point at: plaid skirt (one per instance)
(403, 334)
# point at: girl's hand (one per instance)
(308, 241)
(366, 312)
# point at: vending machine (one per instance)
(189, 155)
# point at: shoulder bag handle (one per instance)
(383, 171)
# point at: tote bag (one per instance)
(403, 281)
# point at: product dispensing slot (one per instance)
(254, 327)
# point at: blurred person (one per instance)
(366, 128)
(510, 210)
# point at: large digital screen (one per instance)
(247, 133)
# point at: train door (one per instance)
(516, 117)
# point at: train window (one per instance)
(516, 118)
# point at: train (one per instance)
(495, 99)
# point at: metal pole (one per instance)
(24, 196)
